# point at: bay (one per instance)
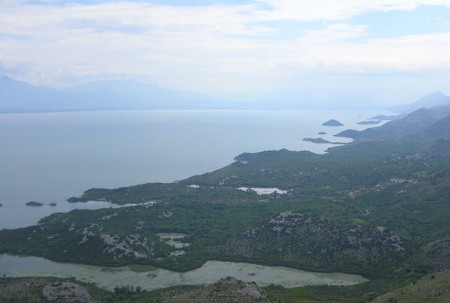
(49, 157)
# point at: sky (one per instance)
(375, 52)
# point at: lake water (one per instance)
(49, 157)
(210, 272)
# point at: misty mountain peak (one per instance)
(432, 96)
(436, 98)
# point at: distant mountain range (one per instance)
(433, 99)
(413, 122)
(17, 96)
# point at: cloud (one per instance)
(335, 10)
(8, 68)
(207, 48)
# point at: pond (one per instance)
(156, 278)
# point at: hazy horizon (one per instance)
(379, 53)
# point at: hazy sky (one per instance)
(386, 51)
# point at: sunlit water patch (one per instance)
(264, 191)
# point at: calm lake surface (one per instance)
(49, 157)
(210, 272)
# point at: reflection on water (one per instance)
(156, 278)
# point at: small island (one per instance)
(320, 141)
(370, 122)
(322, 133)
(35, 204)
(52, 204)
(332, 122)
(388, 117)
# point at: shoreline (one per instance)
(211, 272)
(225, 260)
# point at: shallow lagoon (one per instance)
(210, 272)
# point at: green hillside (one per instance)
(377, 207)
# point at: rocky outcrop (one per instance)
(132, 245)
(316, 227)
(302, 239)
(135, 246)
(226, 290)
(66, 292)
